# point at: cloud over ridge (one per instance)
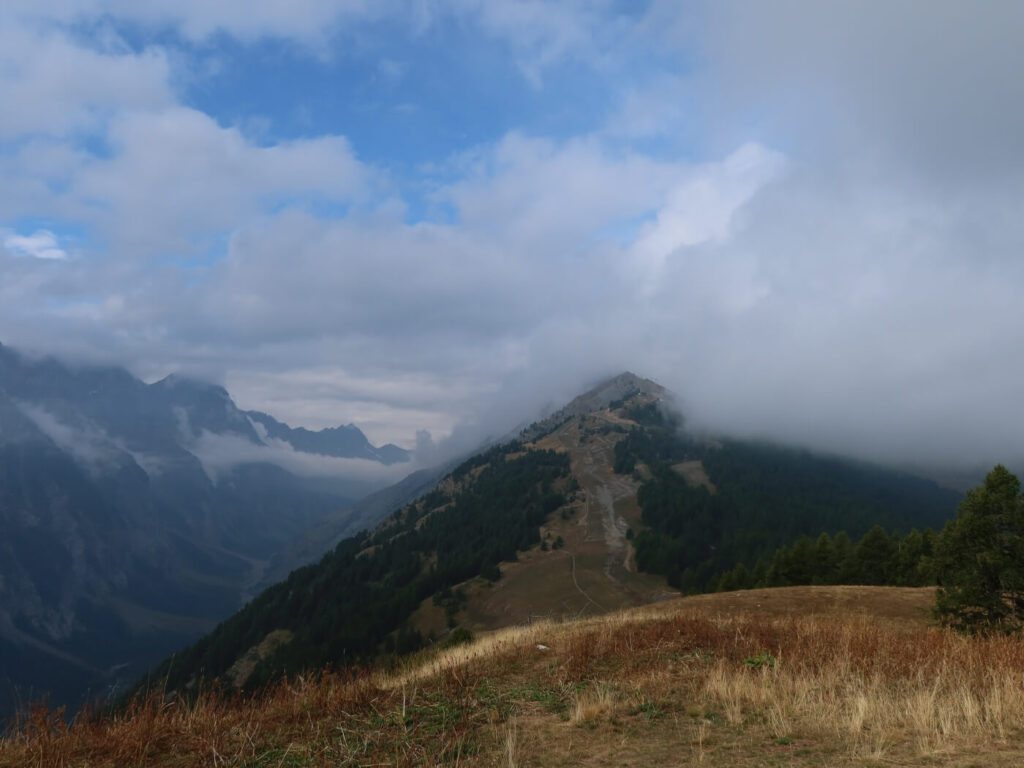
(802, 217)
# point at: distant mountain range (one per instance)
(342, 442)
(133, 515)
(607, 503)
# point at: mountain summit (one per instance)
(618, 388)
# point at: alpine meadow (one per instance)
(511, 383)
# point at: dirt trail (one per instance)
(602, 489)
(581, 590)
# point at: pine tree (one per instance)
(759, 576)
(913, 559)
(979, 559)
(826, 560)
(847, 565)
(742, 577)
(875, 554)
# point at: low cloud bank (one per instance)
(221, 453)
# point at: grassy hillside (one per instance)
(800, 676)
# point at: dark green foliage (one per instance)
(915, 565)
(405, 641)
(452, 601)
(491, 572)
(980, 559)
(875, 555)
(769, 498)
(351, 607)
(458, 636)
(654, 415)
(878, 558)
(483, 459)
(651, 446)
(616, 404)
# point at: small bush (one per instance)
(458, 636)
(761, 660)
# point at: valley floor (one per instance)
(803, 676)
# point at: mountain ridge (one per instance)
(549, 525)
(343, 441)
(129, 525)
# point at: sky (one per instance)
(446, 215)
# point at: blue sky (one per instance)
(447, 214)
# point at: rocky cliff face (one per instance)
(133, 515)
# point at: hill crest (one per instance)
(784, 676)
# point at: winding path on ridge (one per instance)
(580, 589)
(594, 459)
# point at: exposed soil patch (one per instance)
(693, 473)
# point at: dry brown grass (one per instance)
(692, 683)
(593, 704)
(930, 691)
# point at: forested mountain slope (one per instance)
(753, 498)
(562, 522)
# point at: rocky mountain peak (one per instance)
(620, 387)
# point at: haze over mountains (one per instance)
(609, 502)
(135, 515)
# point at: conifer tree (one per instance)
(979, 560)
(847, 564)
(742, 577)
(826, 560)
(875, 554)
(759, 576)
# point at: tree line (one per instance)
(878, 558)
(765, 497)
(976, 560)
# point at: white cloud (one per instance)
(657, 107)
(833, 261)
(386, 404)
(42, 244)
(933, 93)
(551, 196)
(542, 33)
(538, 33)
(701, 208)
(302, 20)
(91, 447)
(176, 176)
(50, 85)
(220, 453)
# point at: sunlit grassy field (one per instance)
(802, 676)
